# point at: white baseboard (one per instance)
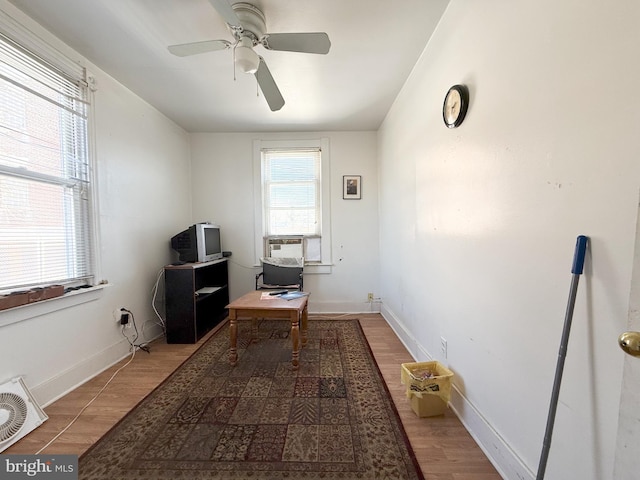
(499, 453)
(343, 307)
(58, 386)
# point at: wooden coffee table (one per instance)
(251, 305)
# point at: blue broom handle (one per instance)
(576, 270)
(578, 256)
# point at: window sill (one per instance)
(43, 307)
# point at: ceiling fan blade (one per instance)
(186, 49)
(313, 42)
(225, 10)
(268, 86)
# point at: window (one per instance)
(292, 195)
(291, 189)
(45, 189)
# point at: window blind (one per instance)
(45, 234)
(291, 189)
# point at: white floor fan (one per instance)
(19, 412)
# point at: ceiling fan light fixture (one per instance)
(246, 59)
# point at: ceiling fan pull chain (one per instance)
(234, 61)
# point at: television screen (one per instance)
(212, 241)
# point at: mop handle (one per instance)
(578, 256)
(576, 270)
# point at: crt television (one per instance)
(198, 243)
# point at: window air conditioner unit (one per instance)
(284, 247)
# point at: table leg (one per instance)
(295, 350)
(233, 336)
(304, 326)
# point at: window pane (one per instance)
(293, 222)
(292, 195)
(291, 188)
(292, 169)
(35, 226)
(44, 174)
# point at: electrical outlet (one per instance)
(122, 317)
(443, 347)
(369, 297)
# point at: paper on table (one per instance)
(269, 296)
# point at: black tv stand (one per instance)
(196, 296)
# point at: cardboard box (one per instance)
(430, 377)
(427, 405)
(428, 387)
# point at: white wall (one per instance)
(477, 225)
(222, 168)
(488, 216)
(143, 194)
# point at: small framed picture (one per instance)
(352, 187)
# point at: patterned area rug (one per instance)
(261, 420)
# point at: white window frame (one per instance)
(25, 37)
(325, 201)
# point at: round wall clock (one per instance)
(455, 105)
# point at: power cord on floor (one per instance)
(134, 345)
(133, 353)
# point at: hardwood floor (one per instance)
(444, 449)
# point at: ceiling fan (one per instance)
(247, 24)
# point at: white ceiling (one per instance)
(374, 45)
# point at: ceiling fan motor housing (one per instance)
(253, 22)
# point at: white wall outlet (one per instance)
(370, 297)
(443, 347)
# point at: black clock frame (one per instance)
(464, 104)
